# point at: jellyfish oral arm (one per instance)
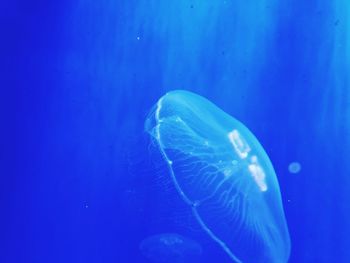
(258, 174)
(242, 149)
(240, 146)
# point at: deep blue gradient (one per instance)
(78, 81)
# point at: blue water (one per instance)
(80, 77)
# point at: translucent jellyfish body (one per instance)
(170, 247)
(220, 170)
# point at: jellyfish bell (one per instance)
(170, 248)
(222, 173)
(294, 167)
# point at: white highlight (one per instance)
(159, 106)
(240, 146)
(257, 173)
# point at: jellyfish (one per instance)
(223, 174)
(294, 167)
(170, 247)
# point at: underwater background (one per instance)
(81, 76)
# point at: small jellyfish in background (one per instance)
(170, 248)
(222, 173)
(294, 167)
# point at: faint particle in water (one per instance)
(223, 174)
(138, 38)
(294, 167)
(170, 247)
